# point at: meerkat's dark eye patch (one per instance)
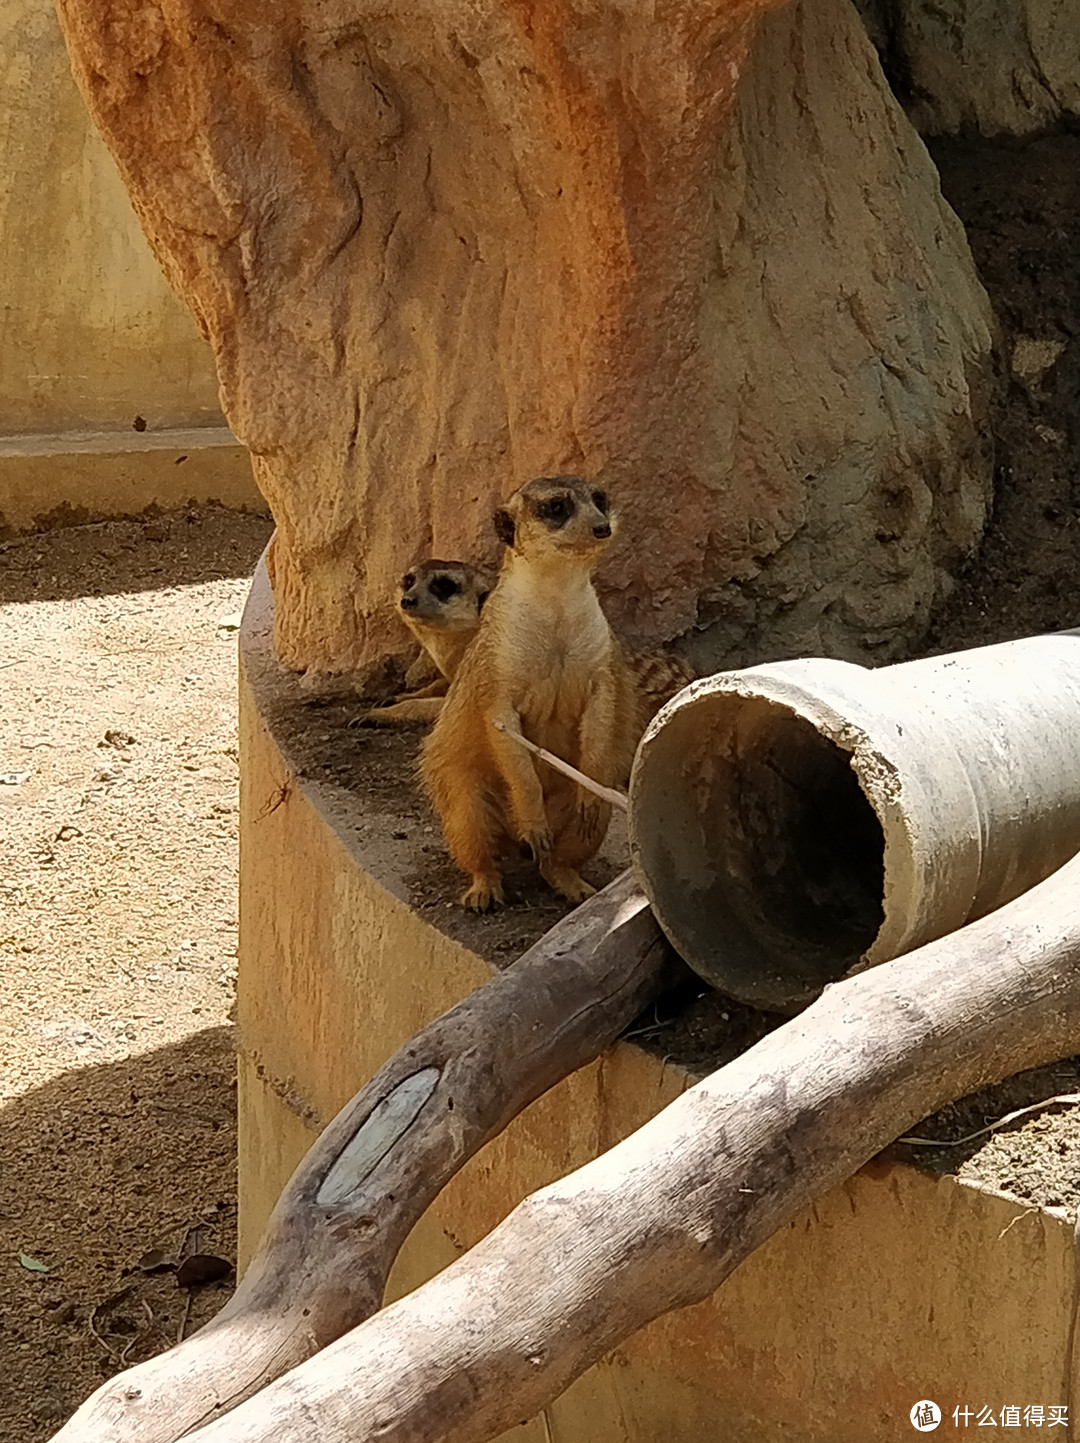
(600, 501)
(443, 588)
(408, 581)
(556, 512)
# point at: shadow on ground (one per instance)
(149, 553)
(96, 1168)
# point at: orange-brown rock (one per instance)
(443, 246)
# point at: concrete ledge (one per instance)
(74, 476)
(898, 1286)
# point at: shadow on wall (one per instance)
(96, 1168)
(150, 553)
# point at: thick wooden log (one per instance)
(333, 1237)
(660, 1220)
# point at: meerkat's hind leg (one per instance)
(472, 831)
(581, 835)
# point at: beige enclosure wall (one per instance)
(91, 336)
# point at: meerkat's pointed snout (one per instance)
(602, 530)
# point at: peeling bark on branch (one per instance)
(334, 1235)
(660, 1220)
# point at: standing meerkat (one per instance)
(544, 664)
(440, 603)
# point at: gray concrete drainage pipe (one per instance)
(796, 822)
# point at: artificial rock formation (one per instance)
(1001, 67)
(848, 339)
(441, 248)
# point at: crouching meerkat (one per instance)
(440, 603)
(546, 665)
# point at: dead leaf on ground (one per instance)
(202, 1268)
(156, 1261)
(33, 1265)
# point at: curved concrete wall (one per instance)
(895, 1287)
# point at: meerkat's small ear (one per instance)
(480, 599)
(504, 527)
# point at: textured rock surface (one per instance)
(849, 340)
(439, 249)
(992, 67)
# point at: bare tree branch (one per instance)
(662, 1219)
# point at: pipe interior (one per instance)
(764, 854)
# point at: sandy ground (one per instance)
(118, 777)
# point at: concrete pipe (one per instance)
(797, 822)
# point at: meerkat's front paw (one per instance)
(484, 895)
(538, 841)
(408, 711)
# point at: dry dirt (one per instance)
(1020, 204)
(117, 856)
(118, 772)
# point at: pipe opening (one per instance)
(762, 856)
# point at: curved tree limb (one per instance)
(663, 1218)
(338, 1226)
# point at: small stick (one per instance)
(109, 1302)
(184, 1320)
(97, 1336)
(143, 1333)
(1062, 1097)
(607, 794)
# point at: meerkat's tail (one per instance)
(658, 676)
